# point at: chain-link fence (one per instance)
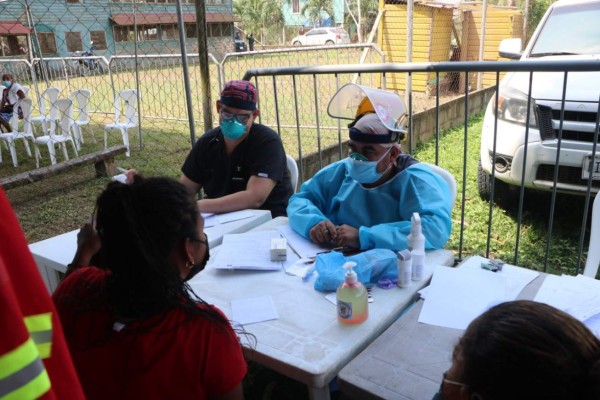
(107, 46)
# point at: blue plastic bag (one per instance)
(371, 266)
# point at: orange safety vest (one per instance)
(34, 358)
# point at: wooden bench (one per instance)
(103, 160)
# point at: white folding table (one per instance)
(306, 342)
(52, 255)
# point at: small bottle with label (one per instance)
(404, 268)
(352, 305)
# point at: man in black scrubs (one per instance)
(240, 164)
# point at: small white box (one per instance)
(278, 249)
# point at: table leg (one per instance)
(318, 393)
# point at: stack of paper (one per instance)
(576, 295)
(457, 296)
(250, 250)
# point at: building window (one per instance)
(121, 33)
(148, 32)
(99, 39)
(191, 31)
(74, 1)
(227, 29)
(169, 32)
(73, 40)
(295, 6)
(13, 45)
(47, 42)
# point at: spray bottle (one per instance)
(416, 245)
(352, 306)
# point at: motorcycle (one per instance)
(87, 63)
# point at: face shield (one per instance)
(352, 101)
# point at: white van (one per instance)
(570, 30)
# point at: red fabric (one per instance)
(25, 293)
(175, 356)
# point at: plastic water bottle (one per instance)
(352, 305)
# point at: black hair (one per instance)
(140, 225)
(527, 350)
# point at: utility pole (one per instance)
(203, 62)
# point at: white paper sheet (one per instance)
(516, 278)
(304, 248)
(578, 296)
(234, 216)
(253, 310)
(250, 250)
(456, 296)
(211, 219)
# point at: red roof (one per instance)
(13, 28)
(168, 18)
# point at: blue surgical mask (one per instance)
(232, 129)
(7, 83)
(364, 171)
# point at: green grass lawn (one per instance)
(62, 203)
(567, 221)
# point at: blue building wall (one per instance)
(59, 17)
(299, 19)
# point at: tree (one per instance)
(368, 13)
(314, 9)
(261, 17)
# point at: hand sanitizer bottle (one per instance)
(352, 306)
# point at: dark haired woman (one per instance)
(523, 350)
(133, 328)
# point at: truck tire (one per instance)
(505, 195)
(484, 182)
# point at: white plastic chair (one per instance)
(293, 168)
(25, 134)
(65, 114)
(447, 176)
(593, 256)
(48, 112)
(81, 104)
(125, 117)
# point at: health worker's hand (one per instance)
(323, 233)
(347, 236)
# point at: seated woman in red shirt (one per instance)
(134, 327)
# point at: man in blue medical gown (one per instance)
(366, 201)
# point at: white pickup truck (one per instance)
(570, 30)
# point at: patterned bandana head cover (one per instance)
(240, 94)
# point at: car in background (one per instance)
(320, 36)
(569, 31)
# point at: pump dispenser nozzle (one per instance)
(415, 226)
(350, 275)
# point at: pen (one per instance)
(290, 245)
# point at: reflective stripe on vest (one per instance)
(40, 329)
(22, 373)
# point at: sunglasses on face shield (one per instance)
(241, 118)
